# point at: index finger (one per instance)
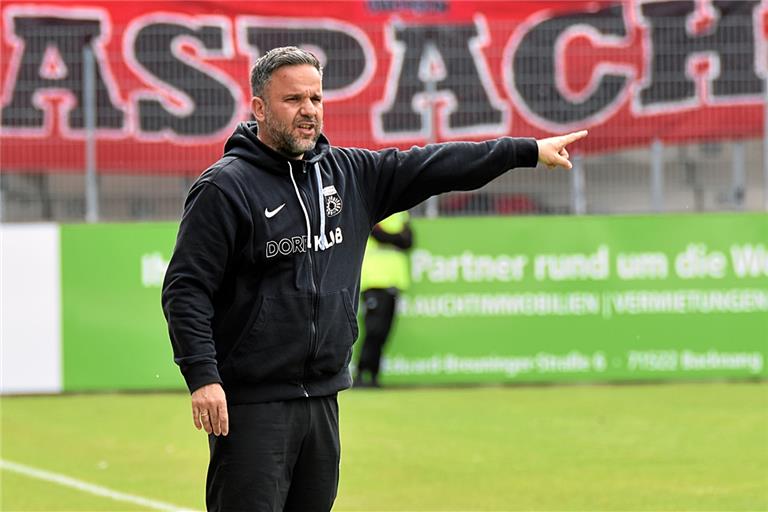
(574, 136)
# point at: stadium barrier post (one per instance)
(578, 185)
(739, 175)
(765, 146)
(432, 204)
(657, 176)
(2, 198)
(89, 100)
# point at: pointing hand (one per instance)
(552, 150)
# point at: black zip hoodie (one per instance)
(261, 291)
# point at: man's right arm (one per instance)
(204, 245)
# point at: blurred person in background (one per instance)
(384, 276)
(261, 291)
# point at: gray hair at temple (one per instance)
(262, 70)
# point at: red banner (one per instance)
(170, 79)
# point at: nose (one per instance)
(308, 108)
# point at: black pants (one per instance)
(379, 306)
(278, 456)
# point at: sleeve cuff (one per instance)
(199, 375)
(529, 153)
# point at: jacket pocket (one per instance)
(275, 347)
(337, 331)
(229, 329)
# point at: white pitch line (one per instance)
(74, 483)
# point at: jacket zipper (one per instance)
(312, 281)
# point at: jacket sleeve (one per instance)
(393, 180)
(204, 245)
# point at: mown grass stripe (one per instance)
(80, 485)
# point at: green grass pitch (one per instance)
(682, 447)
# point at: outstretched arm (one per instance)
(393, 180)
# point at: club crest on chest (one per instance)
(333, 202)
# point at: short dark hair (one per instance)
(262, 70)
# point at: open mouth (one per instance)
(306, 129)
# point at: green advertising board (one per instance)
(544, 299)
(113, 331)
(512, 299)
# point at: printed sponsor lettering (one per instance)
(46, 63)
(191, 99)
(297, 244)
(183, 77)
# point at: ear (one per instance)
(257, 107)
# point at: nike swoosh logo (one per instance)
(271, 213)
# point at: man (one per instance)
(384, 276)
(260, 294)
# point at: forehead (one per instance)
(301, 78)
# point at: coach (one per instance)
(261, 291)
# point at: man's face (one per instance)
(290, 114)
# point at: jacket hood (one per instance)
(244, 143)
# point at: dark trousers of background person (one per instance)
(379, 307)
(278, 457)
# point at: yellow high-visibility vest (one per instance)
(386, 266)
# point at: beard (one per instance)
(285, 141)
